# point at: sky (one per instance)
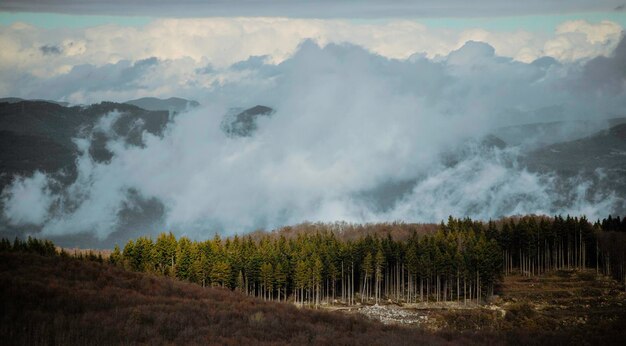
(369, 98)
(42, 48)
(45, 40)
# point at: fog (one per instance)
(355, 136)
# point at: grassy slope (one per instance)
(584, 307)
(66, 301)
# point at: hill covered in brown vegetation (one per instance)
(54, 297)
(59, 300)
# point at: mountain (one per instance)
(172, 104)
(604, 149)
(243, 123)
(599, 159)
(25, 153)
(536, 135)
(17, 99)
(37, 135)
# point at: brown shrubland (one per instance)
(68, 301)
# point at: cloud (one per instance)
(98, 63)
(489, 184)
(576, 39)
(28, 200)
(89, 79)
(348, 124)
(471, 53)
(594, 33)
(607, 74)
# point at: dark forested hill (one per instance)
(17, 99)
(38, 135)
(243, 122)
(547, 133)
(601, 155)
(174, 104)
(66, 301)
(605, 149)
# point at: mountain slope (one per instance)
(598, 160)
(38, 135)
(543, 134)
(25, 153)
(605, 149)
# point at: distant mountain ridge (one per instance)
(605, 149)
(547, 133)
(599, 159)
(17, 99)
(172, 104)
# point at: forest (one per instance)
(310, 264)
(460, 260)
(550, 277)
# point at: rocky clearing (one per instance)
(558, 301)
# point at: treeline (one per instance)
(41, 247)
(613, 224)
(611, 247)
(318, 267)
(46, 248)
(460, 260)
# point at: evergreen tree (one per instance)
(116, 256)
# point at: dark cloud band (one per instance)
(312, 9)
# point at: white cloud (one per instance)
(27, 201)
(189, 44)
(602, 32)
(579, 39)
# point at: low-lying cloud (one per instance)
(347, 123)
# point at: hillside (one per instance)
(606, 149)
(547, 133)
(65, 301)
(37, 135)
(312, 288)
(600, 158)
